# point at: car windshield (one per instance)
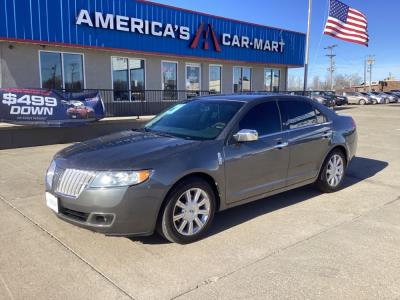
(199, 119)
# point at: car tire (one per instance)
(362, 102)
(332, 173)
(183, 221)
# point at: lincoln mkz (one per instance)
(197, 158)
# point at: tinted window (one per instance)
(321, 118)
(51, 70)
(264, 118)
(299, 114)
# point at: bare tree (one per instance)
(316, 83)
(294, 83)
(343, 81)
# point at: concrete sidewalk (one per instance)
(300, 244)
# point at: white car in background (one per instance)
(376, 97)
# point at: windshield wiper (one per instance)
(160, 133)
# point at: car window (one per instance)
(299, 113)
(321, 118)
(263, 117)
(201, 119)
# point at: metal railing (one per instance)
(119, 103)
(122, 103)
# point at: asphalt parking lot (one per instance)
(300, 244)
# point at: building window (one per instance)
(241, 79)
(272, 78)
(215, 84)
(61, 71)
(128, 78)
(193, 77)
(169, 73)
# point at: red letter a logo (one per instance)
(206, 33)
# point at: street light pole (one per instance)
(307, 46)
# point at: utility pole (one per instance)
(370, 62)
(307, 47)
(365, 74)
(331, 57)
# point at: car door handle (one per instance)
(327, 134)
(281, 145)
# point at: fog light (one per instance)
(101, 219)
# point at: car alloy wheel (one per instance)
(191, 211)
(335, 170)
(362, 102)
(332, 172)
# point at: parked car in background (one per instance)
(380, 97)
(199, 157)
(393, 97)
(358, 98)
(397, 93)
(377, 98)
(339, 100)
(324, 100)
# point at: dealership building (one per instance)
(128, 46)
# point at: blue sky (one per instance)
(384, 25)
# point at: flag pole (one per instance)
(307, 46)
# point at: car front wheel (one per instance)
(332, 173)
(189, 211)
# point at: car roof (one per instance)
(247, 97)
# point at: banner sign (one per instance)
(49, 108)
(145, 27)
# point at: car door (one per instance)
(254, 168)
(352, 98)
(309, 138)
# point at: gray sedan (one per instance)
(197, 158)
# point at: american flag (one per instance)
(347, 23)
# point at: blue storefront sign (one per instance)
(49, 108)
(146, 27)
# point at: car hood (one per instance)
(125, 150)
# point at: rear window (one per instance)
(299, 113)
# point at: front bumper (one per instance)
(127, 211)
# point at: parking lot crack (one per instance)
(69, 249)
(10, 295)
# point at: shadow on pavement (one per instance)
(359, 169)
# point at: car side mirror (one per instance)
(246, 135)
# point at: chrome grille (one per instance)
(72, 182)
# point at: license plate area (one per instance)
(52, 202)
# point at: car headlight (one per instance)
(119, 178)
(50, 174)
